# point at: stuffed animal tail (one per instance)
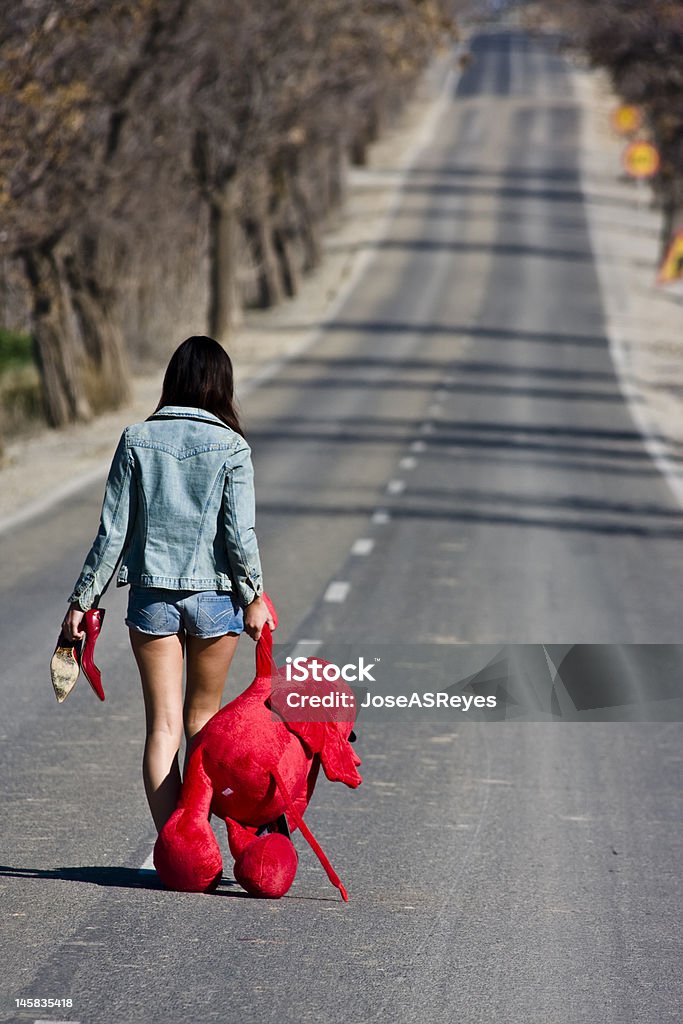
(309, 837)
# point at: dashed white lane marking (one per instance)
(337, 591)
(495, 782)
(418, 446)
(303, 648)
(362, 546)
(380, 517)
(427, 428)
(408, 462)
(396, 486)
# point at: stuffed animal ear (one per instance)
(338, 758)
(328, 739)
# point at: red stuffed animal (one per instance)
(250, 766)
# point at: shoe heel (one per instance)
(93, 626)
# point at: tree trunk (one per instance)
(337, 176)
(59, 350)
(259, 229)
(309, 229)
(321, 168)
(287, 259)
(108, 381)
(366, 134)
(358, 150)
(375, 121)
(224, 301)
(260, 237)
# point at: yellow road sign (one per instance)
(626, 120)
(672, 267)
(641, 159)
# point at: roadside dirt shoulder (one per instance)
(643, 318)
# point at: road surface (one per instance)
(461, 415)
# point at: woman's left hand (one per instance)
(73, 623)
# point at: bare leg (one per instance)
(208, 662)
(160, 662)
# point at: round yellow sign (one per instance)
(641, 159)
(627, 119)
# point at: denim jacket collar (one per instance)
(186, 412)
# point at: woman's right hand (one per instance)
(256, 615)
(73, 623)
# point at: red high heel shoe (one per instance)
(92, 623)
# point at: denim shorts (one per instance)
(204, 613)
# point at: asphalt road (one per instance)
(517, 872)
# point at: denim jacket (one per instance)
(178, 510)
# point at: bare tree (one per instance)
(69, 77)
(122, 117)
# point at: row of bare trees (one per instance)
(128, 123)
(641, 46)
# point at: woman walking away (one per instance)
(178, 521)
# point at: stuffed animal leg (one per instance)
(265, 865)
(187, 856)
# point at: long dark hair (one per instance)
(200, 376)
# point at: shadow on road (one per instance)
(117, 876)
(551, 523)
(484, 248)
